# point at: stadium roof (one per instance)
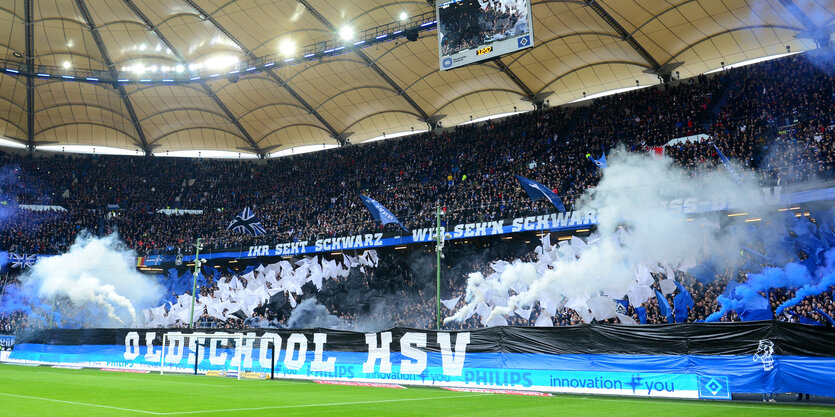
(357, 93)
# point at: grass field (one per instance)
(43, 391)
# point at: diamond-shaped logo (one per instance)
(713, 386)
(523, 41)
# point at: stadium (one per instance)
(463, 207)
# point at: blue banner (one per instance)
(468, 359)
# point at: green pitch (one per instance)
(44, 391)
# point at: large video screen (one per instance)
(475, 30)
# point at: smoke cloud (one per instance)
(636, 232)
(94, 284)
(310, 314)
(827, 279)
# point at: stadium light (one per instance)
(67, 65)
(403, 16)
(179, 68)
(287, 48)
(346, 33)
(220, 62)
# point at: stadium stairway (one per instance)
(729, 85)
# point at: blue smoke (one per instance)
(746, 297)
(810, 289)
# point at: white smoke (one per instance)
(636, 232)
(99, 279)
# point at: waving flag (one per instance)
(642, 314)
(537, 191)
(664, 307)
(682, 302)
(380, 213)
(23, 261)
(826, 316)
(727, 163)
(600, 162)
(246, 222)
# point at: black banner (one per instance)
(721, 339)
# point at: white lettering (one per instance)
(453, 362)
(409, 344)
(177, 346)
(319, 340)
(131, 346)
(214, 358)
(375, 352)
(517, 224)
(295, 340)
(151, 355)
(264, 349)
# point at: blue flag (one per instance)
(600, 162)
(664, 307)
(727, 163)
(249, 269)
(804, 320)
(537, 191)
(703, 272)
(642, 314)
(622, 306)
(826, 316)
(754, 308)
(682, 302)
(380, 213)
(246, 222)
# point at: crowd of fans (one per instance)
(774, 119)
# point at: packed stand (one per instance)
(774, 118)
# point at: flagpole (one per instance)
(438, 247)
(194, 282)
(3, 290)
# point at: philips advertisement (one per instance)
(476, 30)
(708, 361)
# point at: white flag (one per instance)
(450, 304)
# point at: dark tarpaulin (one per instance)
(739, 338)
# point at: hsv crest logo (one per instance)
(523, 41)
(764, 352)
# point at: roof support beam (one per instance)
(819, 35)
(94, 30)
(368, 61)
(208, 90)
(206, 16)
(30, 75)
(610, 20)
(516, 80)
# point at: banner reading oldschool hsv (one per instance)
(709, 361)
